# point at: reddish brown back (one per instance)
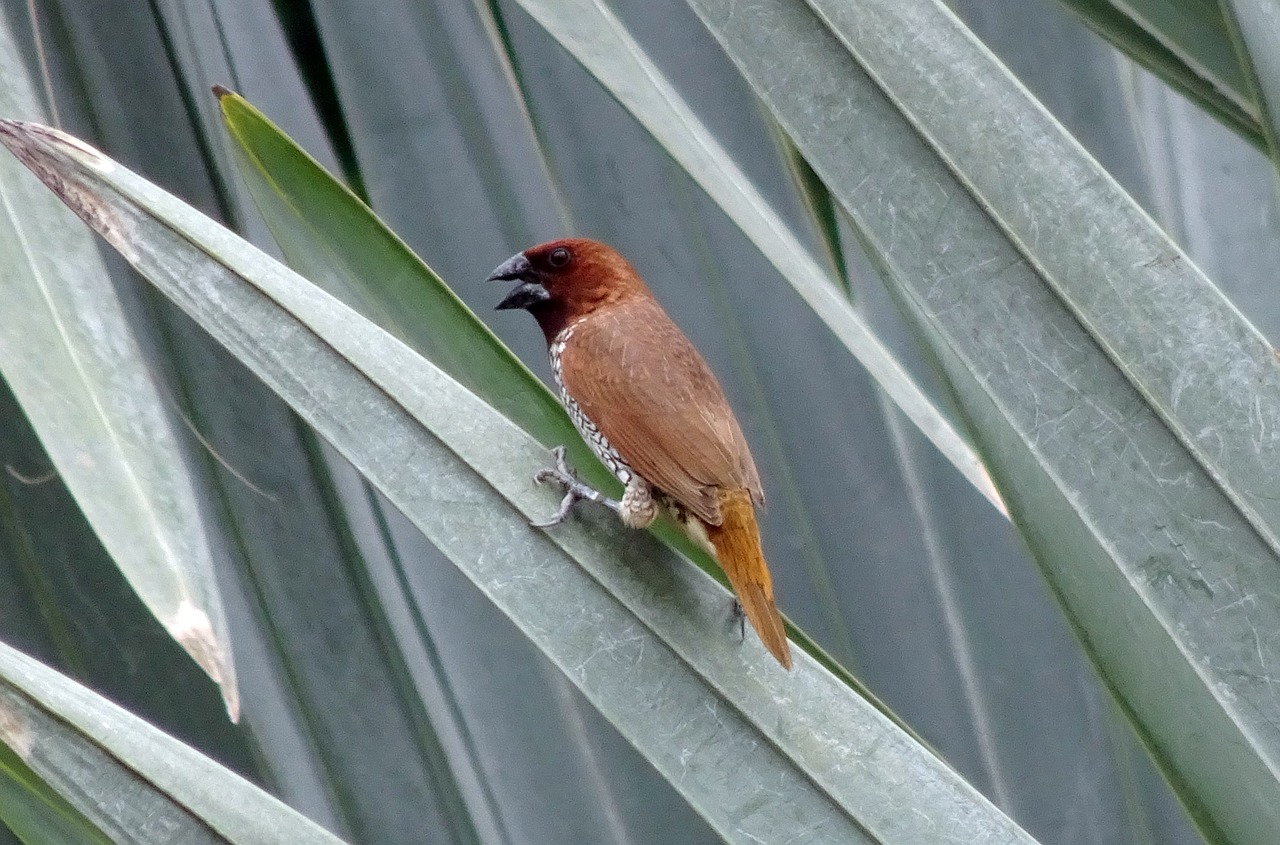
(639, 379)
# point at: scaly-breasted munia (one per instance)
(649, 407)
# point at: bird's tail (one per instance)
(737, 543)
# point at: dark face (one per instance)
(541, 272)
(565, 280)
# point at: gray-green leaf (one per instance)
(1128, 411)
(591, 32)
(117, 778)
(69, 354)
(642, 633)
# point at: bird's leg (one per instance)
(740, 616)
(574, 490)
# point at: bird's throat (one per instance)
(552, 317)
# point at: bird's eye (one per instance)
(558, 257)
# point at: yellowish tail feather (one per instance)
(737, 543)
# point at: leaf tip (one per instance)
(27, 140)
(221, 91)
(191, 628)
(65, 165)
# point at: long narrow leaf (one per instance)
(758, 751)
(595, 37)
(1255, 29)
(336, 241)
(34, 810)
(1192, 55)
(69, 354)
(331, 237)
(1129, 411)
(1196, 32)
(117, 778)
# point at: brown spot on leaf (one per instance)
(15, 732)
(57, 159)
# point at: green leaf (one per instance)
(638, 631)
(1254, 26)
(1128, 411)
(1188, 45)
(34, 810)
(595, 37)
(104, 775)
(335, 240)
(328, 235)
(69, 355)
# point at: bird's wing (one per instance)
(639, 379)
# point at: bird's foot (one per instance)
(574, 490)
(739, 616)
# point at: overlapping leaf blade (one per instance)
(1123, 403)
(69, 354)
(104, 775)
(639, 641)
(590, 31)
(1188, 45)
(333, 238)
(35, 810)
(1254, 26)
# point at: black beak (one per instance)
(529, 293)
(515, 267)
(525, 296)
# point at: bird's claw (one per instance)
(739, 616)
(559, 473)
(575, 490)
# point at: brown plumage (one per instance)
(648, 405)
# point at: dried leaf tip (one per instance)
(193, 630)
(28, 140)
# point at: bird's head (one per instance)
(561, 281)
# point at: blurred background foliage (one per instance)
(474, 135)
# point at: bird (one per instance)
(651, 410)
